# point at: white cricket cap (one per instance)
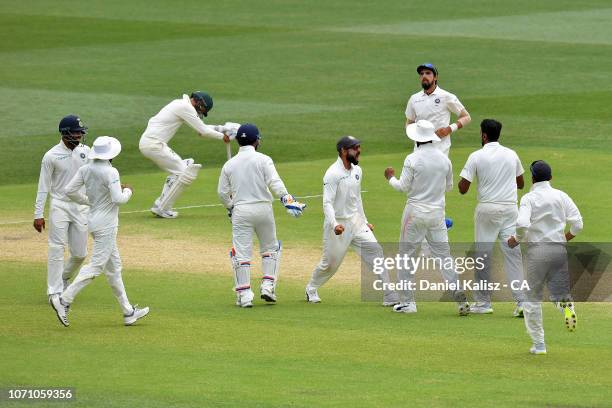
(105, 148)
(422, 131)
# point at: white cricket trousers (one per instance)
(546, 266)
(104, 258)
(255, 218)
(418, 225)
(67, 228)
(162, 155)
(492, 222)
(356, 235)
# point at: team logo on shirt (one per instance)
(357, 176)
(437, 100)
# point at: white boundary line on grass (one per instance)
(177, 208)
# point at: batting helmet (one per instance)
(204, 102)
(71, 124)
(247, 134)
(429, 66)
(347, 142)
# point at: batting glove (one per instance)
(294, 208)
(231, 129)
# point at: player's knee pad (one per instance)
(183, 180)
(270, 264)
(242, 272)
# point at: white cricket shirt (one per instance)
(104, 193)
(436, 108)
(544, 213)
(426, 177)
(496, 168)
(342, 194)
(165, 124)
(247, 178)
(58, 167)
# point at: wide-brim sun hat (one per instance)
(422, 131)
(105, 148)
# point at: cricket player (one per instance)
(103, 193)
(436, 105)
(499, 172)
(425, 178)
(244, 189)
(543, 216)
(345, 222)
(161, 129)
(67, 219)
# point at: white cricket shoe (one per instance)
(481, 308)
(244, 298)
(391, 300)
(312, 296)
(518, 310)
(539, 348)
(137, 313)
(267, 294)
(60, 309)
(161, 213)
(409, 307)
(464, 308)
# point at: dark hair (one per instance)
(491, 128)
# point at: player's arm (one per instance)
(120, 194)
(572, 217)
(463, 117)
(523, 222)
(410, 113)
(224, 190)
(73, 189)
(44, 186)
(276, 185)
(520, 181)
(272, 179)
(467, 175)
(406, 178)
(449, 176)
(330, 188)
(192, 119)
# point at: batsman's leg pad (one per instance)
(270, 265)
(183, 180)
(242, 272)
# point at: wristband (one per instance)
(454, 127)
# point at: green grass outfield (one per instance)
(305, 73)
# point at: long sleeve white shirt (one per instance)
(342, 194)
(426, 176)
(436, 108)
(104, 193)
(58, 167)
(496, 168)
(248, 178)
(544, 213)
(165, 124)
